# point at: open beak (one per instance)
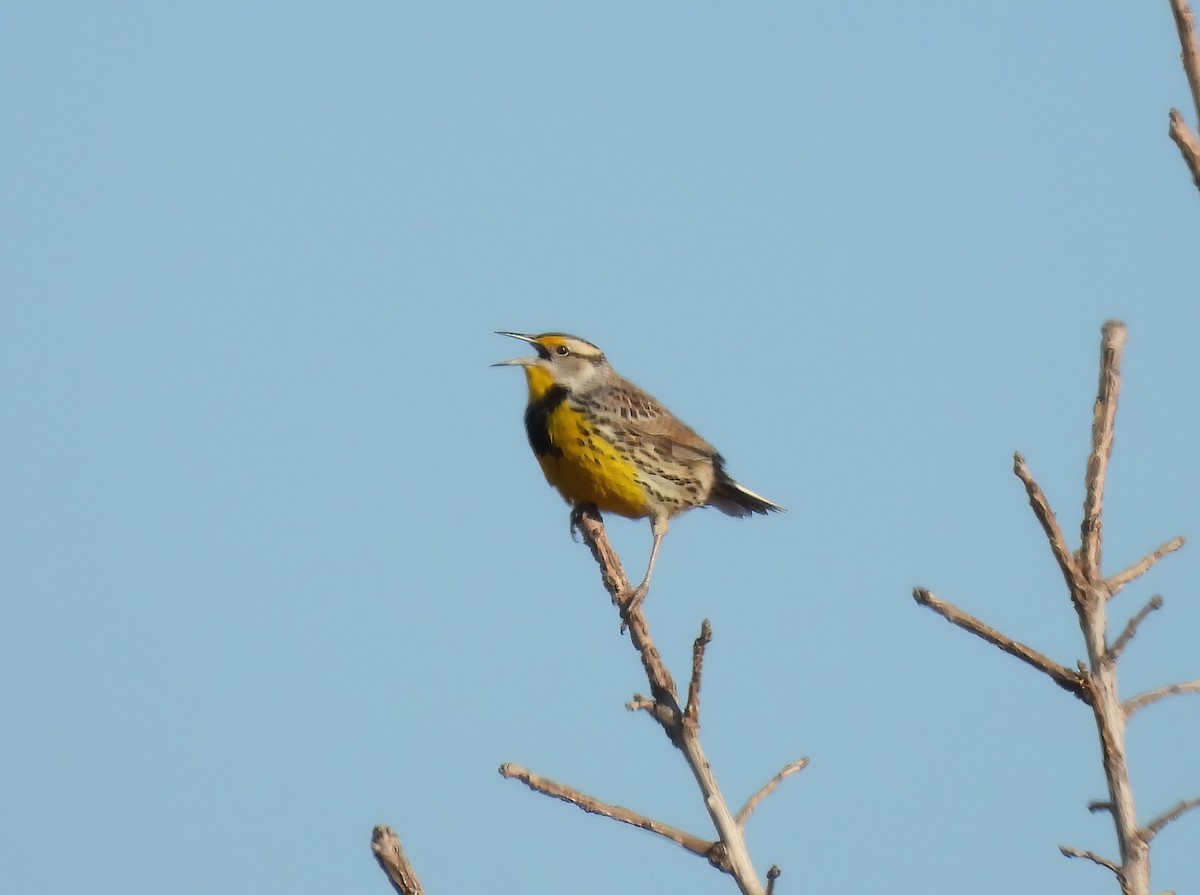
(525, 361)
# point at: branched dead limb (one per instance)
(1134, 703)
(1114, 583)
(1155, 826)
(1095, 683)
(753, 802)
(681, 725)
(1184, 137)
(695, 844)
(385, 845)
(1091, 856)
(1071, 681)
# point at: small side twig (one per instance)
(1153, 604)
(1136, 703)
(691, 711)
(1155, 826)
(1070, 852)
(1071, 681)
(385, 846)
(1049, 522)
(1186, 142)
(767, 788)
(1114, 583)
(773, 874)
(591, 805)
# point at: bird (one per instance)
(602, 441)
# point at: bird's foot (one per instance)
(577, 514)
(634, 597)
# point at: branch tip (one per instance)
(1070, 852)
(767, 788)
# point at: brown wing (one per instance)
(646, 417)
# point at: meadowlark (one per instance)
(602, 441)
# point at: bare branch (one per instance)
(1185, 24)
(729, 852)
(385, 845)
(1155, 826)
(1058, 544)
(1186, 141)
(1136, 703)
(1114, 583)
(591, 805)
(1091, 856)
(1103, 420)
(1153, 604)
(1071, 681)
(753, 802)
(691, 712)
(662, 685)
(1098, 807)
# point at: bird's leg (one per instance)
(658, 526)
(577, 513)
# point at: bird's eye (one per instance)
(563, 350)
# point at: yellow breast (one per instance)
(583, 466)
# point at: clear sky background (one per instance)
(277, 564)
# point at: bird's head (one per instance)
(574, 363)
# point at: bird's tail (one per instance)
(732, 499)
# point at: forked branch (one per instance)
(728, 852)
(1095, 683)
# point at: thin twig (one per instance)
(767, 788)
(1136, 703)
(1114, 583)
(1103, 419)
(1091, 856)
(1069, 680)
(1155, 826)
(1098, 807)
(385, 845)
(691, 712)
(1153, 604)
(592, 805)
(773, 874)
(1054, 535)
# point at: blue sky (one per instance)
(277, 564)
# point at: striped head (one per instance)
(569, 362)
